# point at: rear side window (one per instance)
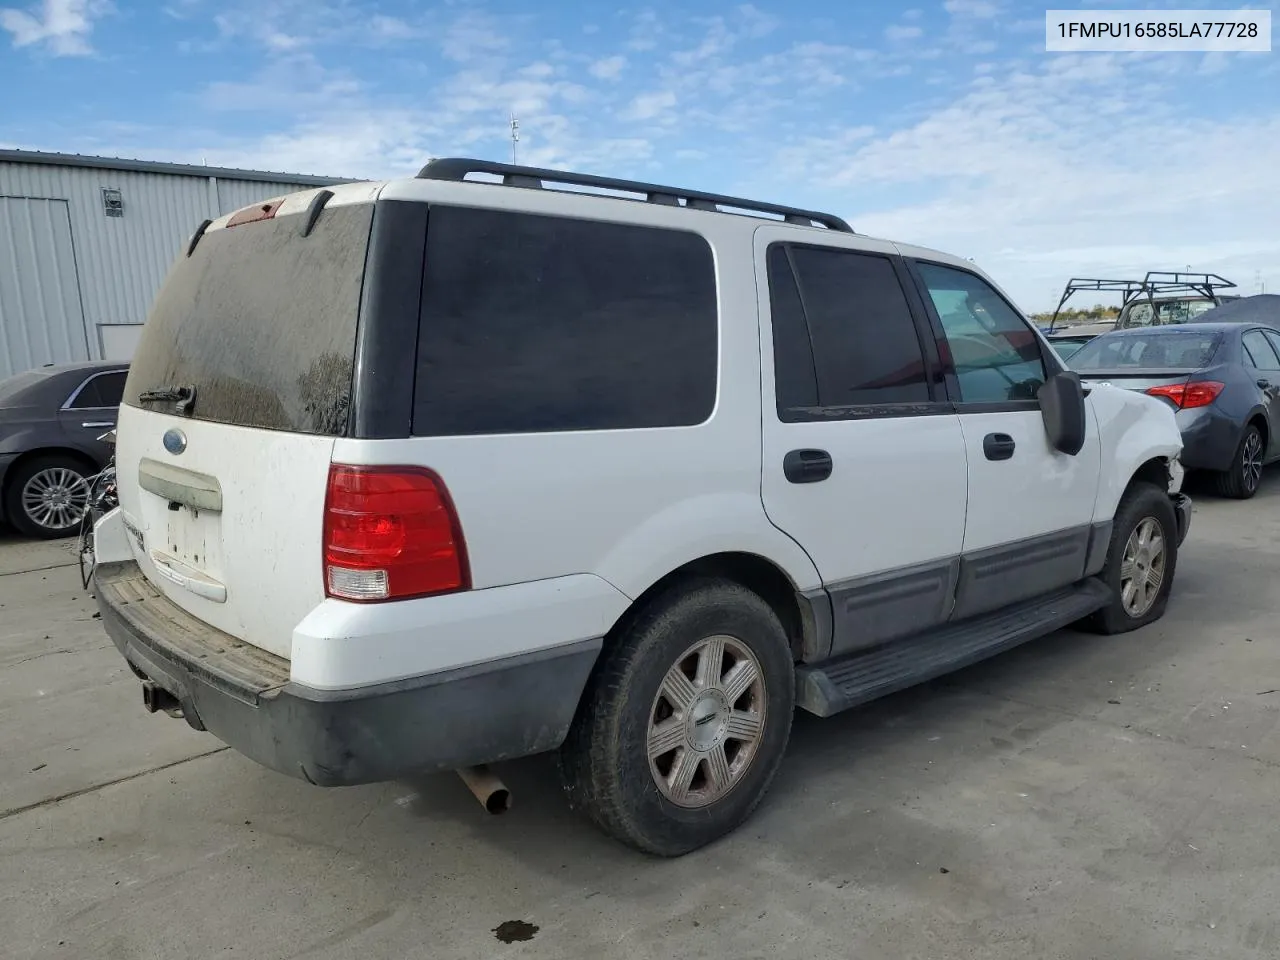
(1258, 348)
(261, 321)
(533, 323)
(841, 320)
(104, 390)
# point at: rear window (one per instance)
(262, 322)
(534, 323)
(1156, 350)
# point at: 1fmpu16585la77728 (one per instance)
(448, 471)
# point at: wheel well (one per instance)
(1155, 472)
(752, 571)
(41, 452)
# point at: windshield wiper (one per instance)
(182, 396)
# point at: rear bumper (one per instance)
(493, 711)
(1209, 439)
(6, 461)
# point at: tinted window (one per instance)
(1152, 350)
(262, 322)
(864, 343)
(995, 354)
(1258, 350)
(796, 381)
(1274, 339)
(533, 323)
(104, 390)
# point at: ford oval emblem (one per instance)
(175, 441)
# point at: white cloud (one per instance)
(978, 9)
(63, 26)
(898, 32)
(646, 106)
(608, 68)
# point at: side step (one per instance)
(828, 688)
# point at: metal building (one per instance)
(86, 241)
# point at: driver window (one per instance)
(995, 354)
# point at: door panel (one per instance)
(1263, 348)
(1029, 507)
(845, 380)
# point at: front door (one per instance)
(864, 460)
(1029, 506)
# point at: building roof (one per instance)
(155, 166)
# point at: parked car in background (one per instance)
(1262, 310)
(1223, 381)
(50, 421)
(1066, 344)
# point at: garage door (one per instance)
(41, 320)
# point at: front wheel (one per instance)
(1141, 561)
(686, 720)
(1242, 479)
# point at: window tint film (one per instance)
(995, 354)
(796, 382)
(865, 346)
(261, 321)
(1259, 350)
(104, 390)
(1152, 350)
(533, 323)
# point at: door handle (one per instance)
(98, 424)
(998, 446)
(1264, 383)
(806, 466)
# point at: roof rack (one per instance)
(455, 168)
(1154, 282)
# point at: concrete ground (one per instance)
(1081, 797)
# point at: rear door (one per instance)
(1262, 349)
(864, 461)
(240, 384)
(91, 411)
(1030, 507)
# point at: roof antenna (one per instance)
(515, 140)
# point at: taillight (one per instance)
(1186, 396)
(391, 533)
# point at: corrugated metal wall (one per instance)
(121, 261)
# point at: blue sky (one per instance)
(942, 123)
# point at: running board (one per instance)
(828, 688)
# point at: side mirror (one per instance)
(1062, 409)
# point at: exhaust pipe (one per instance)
(156, 698)
(488, 789)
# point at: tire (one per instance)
(1241, 481)
(65, 479)
(605, 761)
(1144, 507)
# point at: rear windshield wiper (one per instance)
(182, 396)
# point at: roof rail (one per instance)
(455, 168)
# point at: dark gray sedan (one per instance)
(1223, 381)
(50, 421)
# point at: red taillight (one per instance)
(391, 533)
(1185, 396)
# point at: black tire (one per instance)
(16, 512)
(1242, 480)
(604, 762)
(1141, 502)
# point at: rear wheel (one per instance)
(1242, 480)
(686, 720)
(47, 496)
(1141, 561)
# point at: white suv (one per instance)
(425, 474)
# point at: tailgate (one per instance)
(240, 384)
(230, 530)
